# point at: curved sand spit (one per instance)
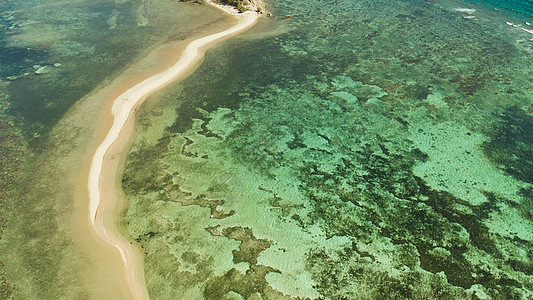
(122, 110)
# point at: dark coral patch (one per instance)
(511, 145)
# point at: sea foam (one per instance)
(466, 10)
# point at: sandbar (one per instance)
(123, 111)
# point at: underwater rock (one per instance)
(41, 70)
(511, 145)
(357, 88)
(347, 98)
(437, 100)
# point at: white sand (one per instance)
(122, 109)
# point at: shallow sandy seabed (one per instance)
(358, 159)
(85, 267)
(101, 178)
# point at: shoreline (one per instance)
(103, 172)
(255, 6)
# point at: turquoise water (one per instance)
(356, 150)
(523, 8)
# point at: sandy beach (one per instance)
(104, 171)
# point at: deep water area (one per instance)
(359, 150)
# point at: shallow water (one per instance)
(358, 150)
(55, 52)
(55, 58)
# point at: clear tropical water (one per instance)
(522, 8)
(54, 54)
(358, 150)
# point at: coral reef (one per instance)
(375, 152)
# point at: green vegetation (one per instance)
(241, 5)
(237, 3)
(195, 1)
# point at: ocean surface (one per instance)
(54, 55)
(348, 149)
(522, 8)
(345, 150)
